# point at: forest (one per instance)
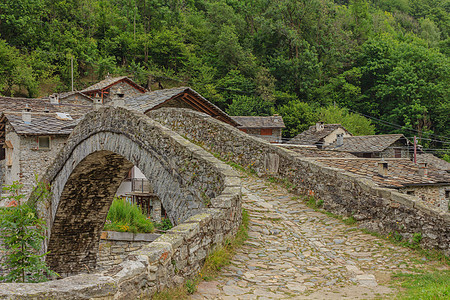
(378, 66)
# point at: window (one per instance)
(266, 131)
(447, 194)
(410, 193)
(44, 142)
(398, 153)
(244, 130)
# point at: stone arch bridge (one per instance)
(96, 158)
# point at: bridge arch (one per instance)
(96, 158)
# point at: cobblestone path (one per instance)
(294, 252)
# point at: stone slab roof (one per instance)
(151, 100)
(367, 143)
(67, 94)
(313, 151)
(109, 82)
(311, 136)
(42, 124)
(259, 122)
(433, 161)
(8, 104)
(401, 172)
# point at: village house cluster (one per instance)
(33, 131)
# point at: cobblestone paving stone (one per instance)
(294, 252)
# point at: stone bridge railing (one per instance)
(379, 209)
(172, 257)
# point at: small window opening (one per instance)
(266, 131)
(447, 194)
(412, 193)
(44, 142)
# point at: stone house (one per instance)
(75, 97)
(375, 146)
(433, 161)
(113, 88)
(428, 184)
(30, 141)
(266, 128)
(320, 135)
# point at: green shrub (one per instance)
(416, 238)
(164, 225)
(22, 234)
(127, 217)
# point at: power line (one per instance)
(397, 125)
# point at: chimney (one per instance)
(120, 93)
(383, 168)
(26, 114)
(319, 126)
(423, 171)
(54, 99)
(340, 139)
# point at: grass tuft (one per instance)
(434, 285)
(127, 217)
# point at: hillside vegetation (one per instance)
(388, 59)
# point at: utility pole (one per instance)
(415, 150)
(134, 22)
(71, 69)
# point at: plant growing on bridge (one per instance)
(22, 233)
(127, 217)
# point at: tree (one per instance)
(244, 105)
(297, 117)
(355, 123)
(22, 234)
(15, 70)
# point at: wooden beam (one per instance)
(201, 105)
(195, 105)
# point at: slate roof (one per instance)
(311, 136)
(259, 122)
(149, 100)
(367, 143)
(8, 104)
(152, 100)
(67, 94)
(433, 161)
(401, 172)
(42, 124)
(313, 151)
(111, 81)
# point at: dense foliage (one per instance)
(388, 59)
(22, 234)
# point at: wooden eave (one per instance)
(200, 105)
(3, 121)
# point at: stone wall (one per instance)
(125, 88)
(433, 195)
(378, 209)
(28, 160)
(116, 246)
(275, 137)
(172, 257)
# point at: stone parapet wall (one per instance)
(378, 209)
(115, 247)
